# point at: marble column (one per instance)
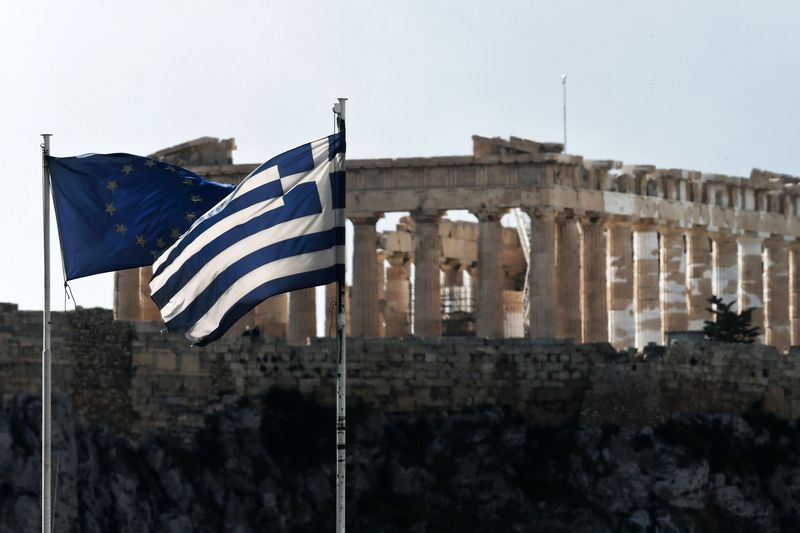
(619, 267)
(725, 279)
(645, 282)
(148, 310)
(364, 313)
(593, 280)
(271, 316)
(751, 281)
(794, 291)
(398, 323)
(427, 290)
(568, 276)
(472, 282)
(379, 265)
(542, 273)
(489, 298)
(698, 277)
(776, 294)
(672, 279)
(126, 294)
(302, 316)
(513, 307)
(453, 274)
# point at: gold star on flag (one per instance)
(121, 229)
(149, 163)
(196, 199)
(112, 185)
(189, 216)
(171, 169)
(187, 181)
(140, 240)
(160, 243)
(175, 233)
(127, 169)
(110, 208)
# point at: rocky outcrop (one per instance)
(267, 465)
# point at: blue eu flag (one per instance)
(118, 211)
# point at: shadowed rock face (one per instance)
(268, 465)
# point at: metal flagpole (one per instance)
(46, 503)
(341, 370)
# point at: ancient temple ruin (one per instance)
(596, 251)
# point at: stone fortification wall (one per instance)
(91, 359)
(134, 377)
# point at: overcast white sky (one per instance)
(706, 85)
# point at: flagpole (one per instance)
(341, 370)
(46, 466)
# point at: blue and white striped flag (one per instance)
(280, 230)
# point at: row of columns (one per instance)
(591, 278)
(750, 270)
(427, 312)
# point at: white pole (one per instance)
(46, 503)
(564, 86)
(341, 372)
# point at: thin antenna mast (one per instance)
(564, 87)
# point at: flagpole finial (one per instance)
(45, 145)
(339, 108)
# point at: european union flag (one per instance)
(119, 211)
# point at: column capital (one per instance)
(566, 215)
(612, 221)
(449, 265)
(750, 238)
(592, 217)
(426, 215)
(699, 231)
(721, 235)
(775, 241)
(365, 219)
(671, 230)
(644, 224)
(488, 214)
(542, 212)
(794, 245)
(398, 259)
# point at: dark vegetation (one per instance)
(729, 326)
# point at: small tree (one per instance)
(729, 326)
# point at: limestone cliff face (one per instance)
(267, 465)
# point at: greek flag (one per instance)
(280, 230)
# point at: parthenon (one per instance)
(598, 252)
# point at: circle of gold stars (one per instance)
(120, 228)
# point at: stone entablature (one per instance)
(764, 204)
(619, 253)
